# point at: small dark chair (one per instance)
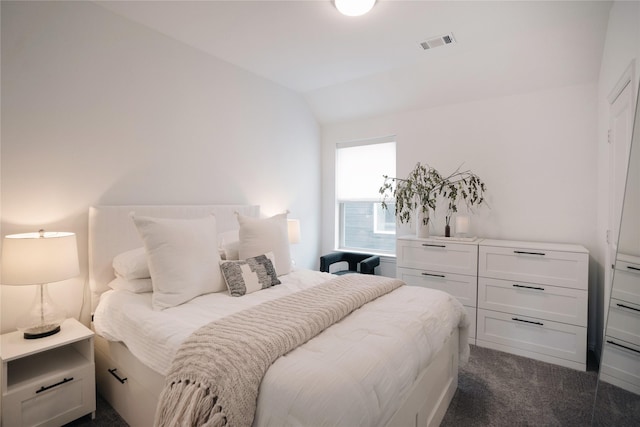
(366, 262)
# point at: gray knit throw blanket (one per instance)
(215, 375)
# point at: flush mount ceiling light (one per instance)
(354, 7)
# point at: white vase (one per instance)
(422, 230)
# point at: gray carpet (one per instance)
(105, 416)
(616, 407)
(500, 389)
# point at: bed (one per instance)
(392, 362)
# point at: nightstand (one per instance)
(48, 381)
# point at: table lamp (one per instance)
(39, 259)
(463, 223)
(293, 230)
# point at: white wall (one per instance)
(544, 156)
(622, 47)
(535, 151)
(99, 110)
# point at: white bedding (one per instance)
(352, 374)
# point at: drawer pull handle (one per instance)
(434, 275)
(623, 346)
(113, 372)
(633, 268)
(431, 245)
(528, 287)
(529, 253)
(627, 307)
(45, 388)
(527, 321)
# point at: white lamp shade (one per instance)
(37, 258)
(354, 7)
(293, 226)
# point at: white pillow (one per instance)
(137, 286)
(183, 258)
(132, 264)
(261, 235)
(229, 242)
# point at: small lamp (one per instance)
(38, 259)
(462, 225)
(293, 228)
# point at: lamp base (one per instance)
(43, 319)
(40, 331)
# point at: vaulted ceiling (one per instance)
(355, 67)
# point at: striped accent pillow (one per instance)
(249, 275)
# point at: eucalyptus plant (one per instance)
(424, 185)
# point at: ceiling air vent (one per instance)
(438, 41)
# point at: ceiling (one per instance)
(354, 67)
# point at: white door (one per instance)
(620, 128)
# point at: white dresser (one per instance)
(621, 350)
(533, 300)
(525, 298)
(448, 266)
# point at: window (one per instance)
(384, 220)
(362, 223)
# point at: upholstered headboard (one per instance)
(111, 232)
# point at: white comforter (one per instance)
(353, 373)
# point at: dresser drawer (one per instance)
(537, 337)
(460, 286)
(624, 321)
(621, 364)
(541, 301)
(436, 255)
(534, 265)
(627, 279)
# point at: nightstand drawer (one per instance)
(436, 255)
(542, 301)
(534, 265)
(536, 336)
(460, 286)
(53, 400)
